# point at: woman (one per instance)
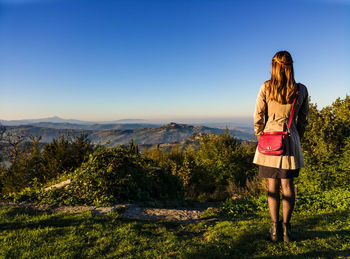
(273, 107)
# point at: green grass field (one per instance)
(26, 233)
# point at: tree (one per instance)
(325, 147)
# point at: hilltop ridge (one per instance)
(116, 134)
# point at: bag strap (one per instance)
(293, 107)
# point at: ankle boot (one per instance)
(286, 232)
(275, 231)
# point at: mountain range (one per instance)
(116, 134)
(56, 119)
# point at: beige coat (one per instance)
(272, 116)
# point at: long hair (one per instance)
(282, 84)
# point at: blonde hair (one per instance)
(282, 84)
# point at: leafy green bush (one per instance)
(326, 147)
(65, 154)
(218, 168)
(337, 198)
(332, 200)
(25, 164)
(31, 166)
(238, 208)
(27, 194)
(113, 175)
(243, 208)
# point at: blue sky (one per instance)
(166, 60)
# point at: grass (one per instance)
(33, 234)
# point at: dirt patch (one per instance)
(132, 211)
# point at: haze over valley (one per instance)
(112, 133)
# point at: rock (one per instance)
(58, 185)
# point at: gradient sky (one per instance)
(157, 59)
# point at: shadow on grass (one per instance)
(52, 220)
(248, 241)
(316, 254)
(302, 229)
(253, 242)
(193, 237)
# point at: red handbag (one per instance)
(274, 143)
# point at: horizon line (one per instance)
(130, 118)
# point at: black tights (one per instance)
(288, 198)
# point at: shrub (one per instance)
(337, 198)
(114, 175)
(243, 207)
(326, 146)
(218, 168)
(332, 200)
(31, 166)
(65, 154)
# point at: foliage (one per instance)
(25, 163)
(220, 161)
(110, 176)
(335, 199)
(244, 207)
(225, 157)
(119, 175)
(332, 200)
(64, 154)
(219, 168)
(326, 147)
(31, 165)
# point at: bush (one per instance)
(25, 164)
(115, 175)
(31, 166)
(332, 200)
(337, 198)
(326, 146)
(65, 154)
(218, 168)
(244, 207)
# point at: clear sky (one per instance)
(162, 59)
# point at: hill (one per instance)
(56, 119)
(116, 134)
(96, 126)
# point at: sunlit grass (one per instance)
(27, 233)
